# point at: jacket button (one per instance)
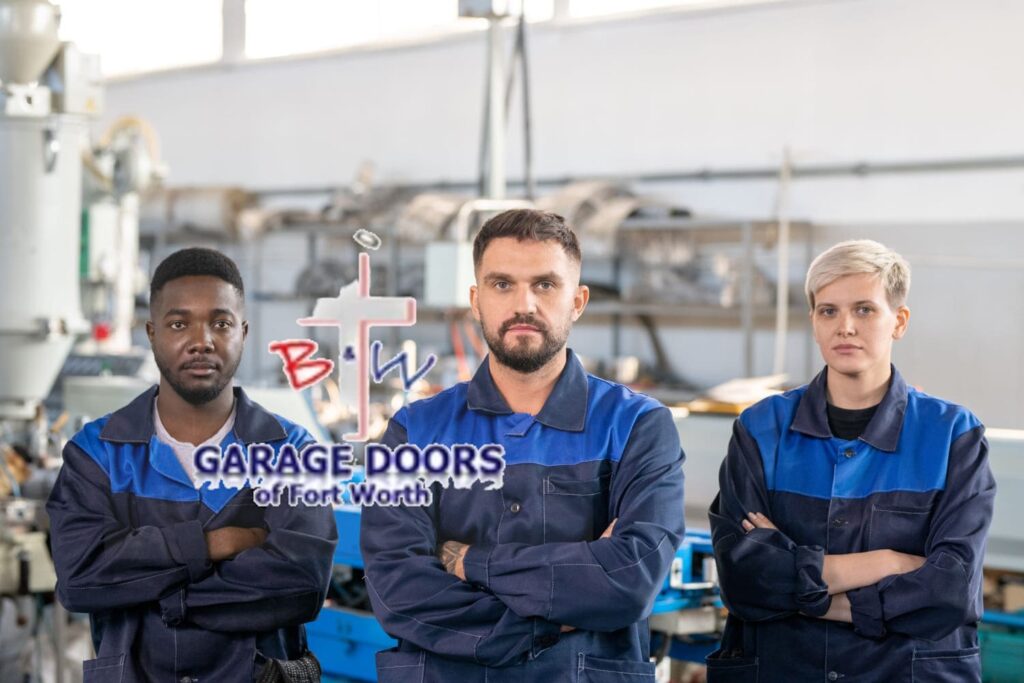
(833, 676)
(514, 508)
(838, 522)
(849, 453)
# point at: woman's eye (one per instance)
(864, 310)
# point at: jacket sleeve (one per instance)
(103, 563)
(609, 583)
(416, 600)
(281, 583)
(763, 574)
(945, 593)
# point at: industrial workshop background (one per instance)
(705, 151)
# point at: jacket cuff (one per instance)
(545, 635)
(811, 590)
(172, 608)
(187, 544)
(476, 563)
(866, 611)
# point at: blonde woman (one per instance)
(850, 528)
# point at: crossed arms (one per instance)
(228, 579)
(846, 572)
(504, 603)
(765, 575)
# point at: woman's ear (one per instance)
(902, 320)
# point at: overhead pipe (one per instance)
(861, 169)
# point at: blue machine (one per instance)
(346, 640)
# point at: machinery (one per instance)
(68, 268)
(45, 102)
(46, 97)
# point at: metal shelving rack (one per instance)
(704, 234)
(696, 233)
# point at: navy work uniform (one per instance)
(594, 453)
(916, 481)
(128, 543)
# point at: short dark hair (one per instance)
(195, 261)
(527, 224)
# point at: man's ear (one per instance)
(245, 329)
(474, 301)
(150, 331)
(579, 301)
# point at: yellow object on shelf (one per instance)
(707, 405)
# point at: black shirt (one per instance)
(846, 423)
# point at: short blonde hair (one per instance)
(854, 257)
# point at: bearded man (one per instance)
(551, 577)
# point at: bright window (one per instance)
(133, 36)
(596, 8)
(275, 28)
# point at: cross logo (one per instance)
(354, 311)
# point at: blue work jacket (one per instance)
(916, 481)
(127, 535)
(595, 452)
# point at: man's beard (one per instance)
(519, 356)
(201, 395)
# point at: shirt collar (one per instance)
(565, 409)
(163, 435)
(883, 432)
(134, 422)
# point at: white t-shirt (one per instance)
(184, 451)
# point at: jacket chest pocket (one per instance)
(241, 510)
(143, 511)
(575, 509)
(899, 527)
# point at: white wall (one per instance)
(838, 81)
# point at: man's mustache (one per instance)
(522, 320)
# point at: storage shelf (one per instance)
(696, 315)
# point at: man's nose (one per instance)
(201, 340)
(526, 301)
